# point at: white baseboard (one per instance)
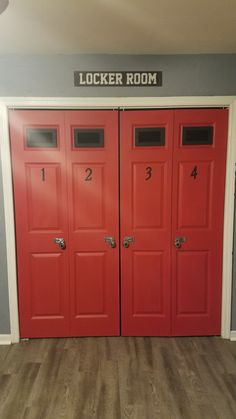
(233, 335)
(5, 340)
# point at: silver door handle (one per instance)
(110, 240)
(127, 240)
(60, 241)
(179, 240)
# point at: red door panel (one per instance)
(43, 213)
(88, 211)
(192, 271)
(93, 215)
(147, 198)
(39, 178)
(195, 205)
(90, 284)
(198, 210)
(146, 173)
(46, 296)
(147, 289)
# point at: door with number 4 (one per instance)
(172, 203)
(68, 223)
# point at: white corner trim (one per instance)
(9, 223)
(228, 224)
(233, 335)
(5, 340)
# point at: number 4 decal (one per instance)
(194, 172)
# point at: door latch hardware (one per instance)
(111, 241)
(179, 240)
(60, 241)
(127, 240)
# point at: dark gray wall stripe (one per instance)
(183, 75)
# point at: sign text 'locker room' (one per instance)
(117, 78)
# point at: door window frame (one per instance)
(110, 103)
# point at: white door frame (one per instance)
(114, 103)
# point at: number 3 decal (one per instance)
(89, 174)
(148, 173)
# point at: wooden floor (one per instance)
(118, 378)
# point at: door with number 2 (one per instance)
(119, 221)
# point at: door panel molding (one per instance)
(111, 103)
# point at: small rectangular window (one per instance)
(88, 138)
(197, 135)
(41, 137)
(148, 137)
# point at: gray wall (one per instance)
(4, 304)
(183, 75)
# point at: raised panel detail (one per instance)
(43, 196)
(46, 279)
(88, 196)
(194, 194)
(147, 283)
(90, 286)
(148, 183)
(191, 282)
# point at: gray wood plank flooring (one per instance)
(119, 378)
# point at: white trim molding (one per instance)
(117, 102)
(228, 225)
(233, 335)
(5, 340)
(9, 223)
(121, 103)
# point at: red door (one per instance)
(200, 138)
(39, 177)
(92, 168)
(146, 175)
(65, 190)
(172, 200)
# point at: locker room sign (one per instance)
(117, 78)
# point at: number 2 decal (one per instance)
(148, 173)
(89, 174)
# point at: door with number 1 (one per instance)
(149, 203)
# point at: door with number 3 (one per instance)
(119, 221)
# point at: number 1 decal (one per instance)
(148, 173)
(89, 174)
(43, 175)
(194, 172)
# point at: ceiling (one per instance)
(118, 27)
